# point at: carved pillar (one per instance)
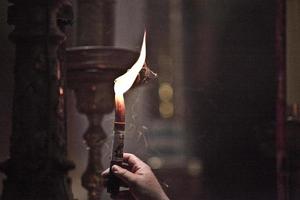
(37, 167)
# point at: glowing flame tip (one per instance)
(124, 82)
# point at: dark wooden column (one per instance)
(37, 167)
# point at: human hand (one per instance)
(140, 179)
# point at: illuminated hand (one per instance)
(141, 181)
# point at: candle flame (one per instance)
(123, 83)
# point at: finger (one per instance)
(105, 173)
(132, 159)
(105, 176)
(125, 175)
(126, 166)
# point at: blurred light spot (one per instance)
(94, 87)
(155, 162)
(165, 92)
(166, 109)
(61, 91)
(194, 167)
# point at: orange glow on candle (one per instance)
(120, 109)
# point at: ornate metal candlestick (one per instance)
(91, 73)
(92, 69)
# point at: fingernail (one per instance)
(114, 168)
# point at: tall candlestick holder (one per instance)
(91, 71)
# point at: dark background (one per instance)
(235, 111)
(6, 83)
(228, 88)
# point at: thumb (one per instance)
(125, 175)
